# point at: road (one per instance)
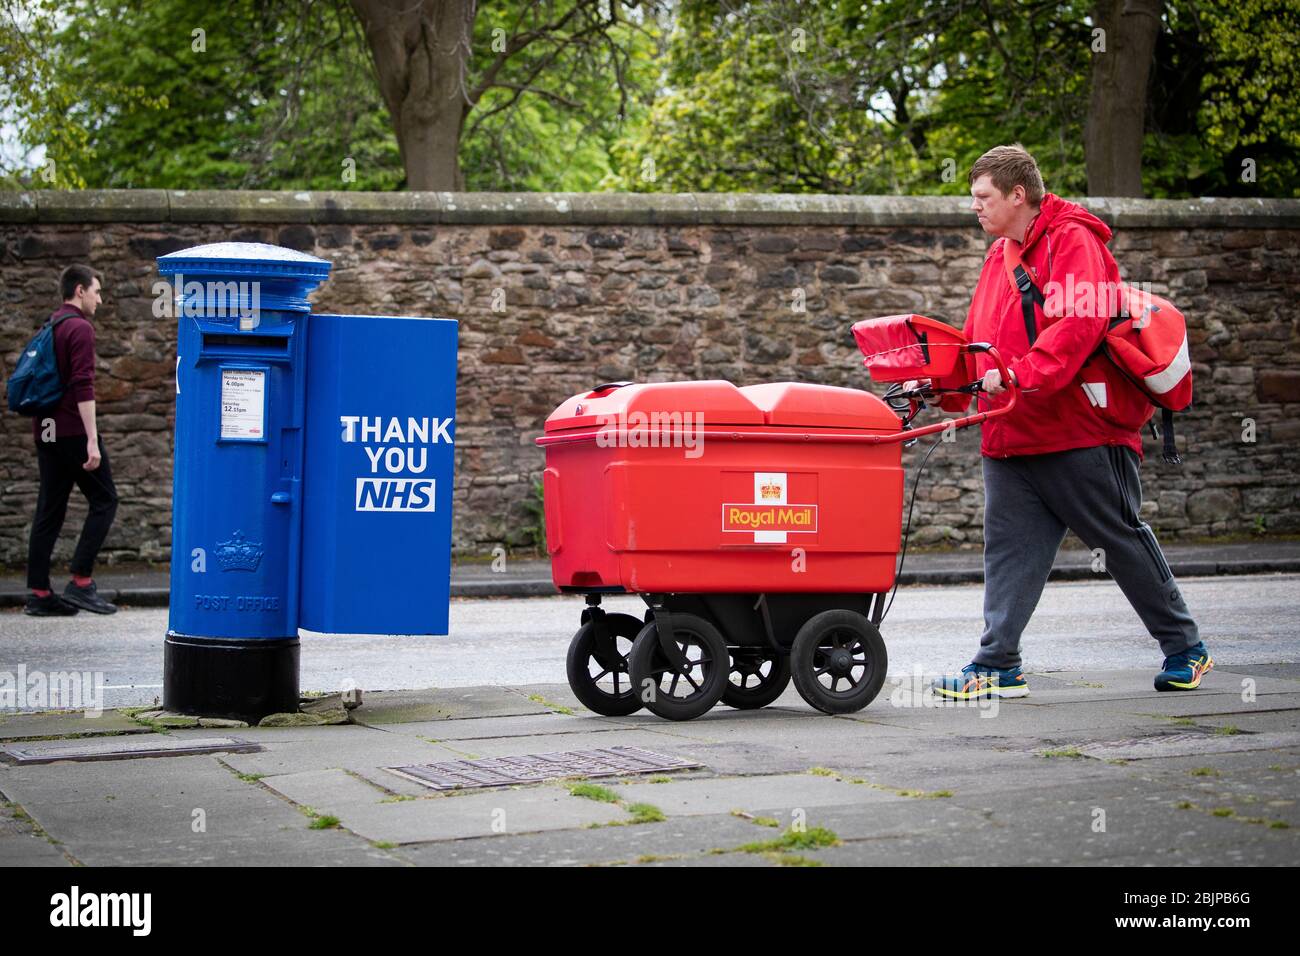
(1078, 626)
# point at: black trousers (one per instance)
(60, 464)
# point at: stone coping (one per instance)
(589, 209)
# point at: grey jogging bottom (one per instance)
(1029, 502)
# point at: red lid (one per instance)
(820, 406)
(721, 403)
(899, 347)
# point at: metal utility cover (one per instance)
(116, 748)
(534, 768)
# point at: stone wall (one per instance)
(557, 292)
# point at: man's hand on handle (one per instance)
(992, 384)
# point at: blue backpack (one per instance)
(35, 384)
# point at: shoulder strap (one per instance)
(58, 316)
(1022, 284)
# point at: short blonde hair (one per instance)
(1009, 167)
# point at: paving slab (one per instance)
(1277, 671)
(887, 819)
(1287, 721)
(67, 724)
(1056, 826)
(102, 815)
(1188, 744)
(956, 767)
(394, 707)
(1009, 718)
(117, 747)
(1113, 684)
(488, 728)
(1217, 706)
(720, 860)
(661, 741)
(559, 694)
(751, 794)
(22, 845)
(363, 750)
(361, 809)
(604, 845)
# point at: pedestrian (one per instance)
(69, 452)
(1067, 456)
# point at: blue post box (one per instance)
(312, 480)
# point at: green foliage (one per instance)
(232, 94)
(901, 96)
(535, 531)
(557, 135)
(810, 839)
(894, 96)
(592, 791)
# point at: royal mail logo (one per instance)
(770, 517)
(747, 517)
(395, 494)
(238, 554)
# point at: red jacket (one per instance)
(74, 354)
(1064, 244)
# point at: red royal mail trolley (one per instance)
(760, 525)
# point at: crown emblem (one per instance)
(238, 554)
(770, 490)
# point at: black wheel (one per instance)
(680, 694)
(759, 675)
(838, 661)
(598, 673)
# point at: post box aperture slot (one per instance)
(233, 344)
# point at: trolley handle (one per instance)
(919, 393)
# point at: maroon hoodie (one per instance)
(74, 353)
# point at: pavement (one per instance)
(1094, 768)
(141, 587)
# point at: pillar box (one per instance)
(312, 476)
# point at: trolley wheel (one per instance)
(680, 694)
(758, 677)
(838, 661)
(598, 676)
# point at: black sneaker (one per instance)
(87, 598)
(49, 606)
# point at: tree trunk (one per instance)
(420, 50)
(1117, 108)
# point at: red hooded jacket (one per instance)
(1065, 253)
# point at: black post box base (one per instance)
(236, 679)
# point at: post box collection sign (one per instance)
(397, 455)
(243, 404)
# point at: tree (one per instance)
(436, 60)
(1114, 130)
(232, 94)
(1189, 97)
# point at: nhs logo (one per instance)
(395, 494)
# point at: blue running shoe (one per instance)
(976, 680)
(1184, 671)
